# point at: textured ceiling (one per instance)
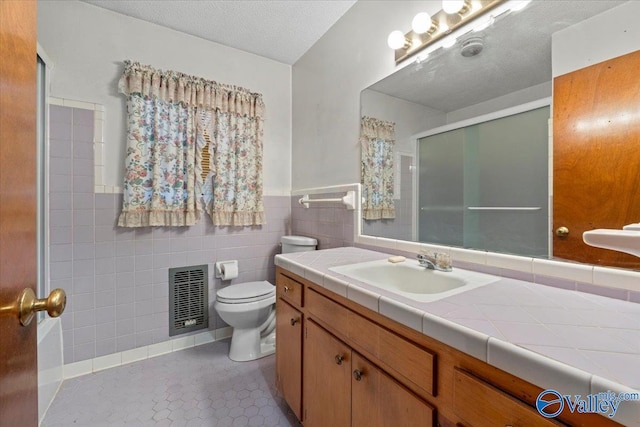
(280, 30)
(516, 55)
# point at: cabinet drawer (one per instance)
(400, 357)
(289, 289)
(476, 401)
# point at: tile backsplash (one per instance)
(330, 223)
(116, 279)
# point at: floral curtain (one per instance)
(165, 140)
(232, 191)
(377, 139)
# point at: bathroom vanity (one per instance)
(342, 359)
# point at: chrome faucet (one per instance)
(435, 261)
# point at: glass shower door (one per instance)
(485, 186)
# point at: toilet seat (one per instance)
(246, 292)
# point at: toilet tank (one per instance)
(297, 244)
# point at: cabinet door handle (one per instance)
(286, 289)
(294, 321)
(358, 374)
(339, 359)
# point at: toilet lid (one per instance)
(246, 292)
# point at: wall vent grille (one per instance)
(188, 299)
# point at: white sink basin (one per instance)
(410, 280)
(627, 240)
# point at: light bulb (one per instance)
(421, 23)
(396, 40)
(452, 6)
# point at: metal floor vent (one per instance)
(188, 299)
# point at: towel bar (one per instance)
(349, 200)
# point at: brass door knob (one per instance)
(357, 375)
(286, 289)
(339, 359)
(28, 304)
(562, 232)
(294, 321)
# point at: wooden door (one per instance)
(378, 400)
(327, 379)
(596, 156)
(18, 370)
(289, 355)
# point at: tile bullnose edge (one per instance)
(314, 276)
(510, 262)
(364, 297)
(385, 243)
(616, 278)
(466, 255)
(401, 313)
(290, 265)
(336, 285)
(276, 260)
(563, 270)
(628, 412)
(460, 337)
(540, 370)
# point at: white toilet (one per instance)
(249, 308)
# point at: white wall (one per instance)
(609, 35)
(88, 45)
(327, 81)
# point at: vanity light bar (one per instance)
(442, 24)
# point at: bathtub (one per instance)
(49, 362)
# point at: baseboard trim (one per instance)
(97, 364)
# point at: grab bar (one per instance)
(349, 200)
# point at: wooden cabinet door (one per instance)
(479, 403)
(596, 156)
(289, 355)
(327, 379)
(378, 400)
(18, 371)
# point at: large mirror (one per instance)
(471, 131)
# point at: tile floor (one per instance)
(199, 386)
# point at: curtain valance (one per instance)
(372, 128)
(176, 87)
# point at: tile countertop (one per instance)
(573, 342)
